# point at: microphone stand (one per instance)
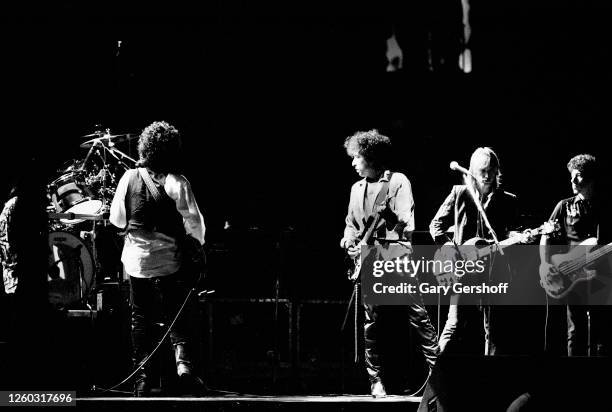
(485, 219)
(482, 212)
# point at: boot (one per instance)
(141, 385)
(141, 389)
(378, 389)
(189, 382)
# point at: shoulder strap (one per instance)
(144, 173)
(381, 197)
(374, 219)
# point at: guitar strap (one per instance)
(379, 202)
(146, 177)
(381, 197)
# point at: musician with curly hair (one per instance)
(370, 152)
(154, 226)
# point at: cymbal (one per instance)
(94, 134)
(104, 135)
(107, 138)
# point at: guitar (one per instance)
(450, 251)
(193, 261)
(568, 269)
(364, 238)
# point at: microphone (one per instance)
(455, 166)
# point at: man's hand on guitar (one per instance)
(529, 236)
(525, 237)
(353, 250)
(354, 254)
(546, 271)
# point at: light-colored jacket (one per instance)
(397, 225)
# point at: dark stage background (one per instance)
(264, 96)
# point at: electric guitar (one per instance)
(193, 262)
(567, 269)
(364, 238)
(450, 251)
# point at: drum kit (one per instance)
(84, 249)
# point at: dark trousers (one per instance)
(158, 300)
(474, 325)
(588, 321)
(588, 325)
(418, 319)
(465, 329)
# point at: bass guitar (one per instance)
(568, 269)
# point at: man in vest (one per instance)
(155, 227)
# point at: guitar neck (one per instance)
(592, 257)
(495, 248)
(544, 229)
(370, 230)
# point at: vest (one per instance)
(143, 212)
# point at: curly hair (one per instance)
(159, 147)
(493, 161)
(586, 164)
(373, 146)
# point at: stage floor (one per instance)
(247, 402)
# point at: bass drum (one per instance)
(71, 269)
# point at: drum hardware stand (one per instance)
(115, 153)
(92, 236)
(98, 271)
(52, 188)
(119, 155)
(91, 150)
(103, 171)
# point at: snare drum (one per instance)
(86, 207)
(71, 269)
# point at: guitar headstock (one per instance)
(549, 227)
(529, 235)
